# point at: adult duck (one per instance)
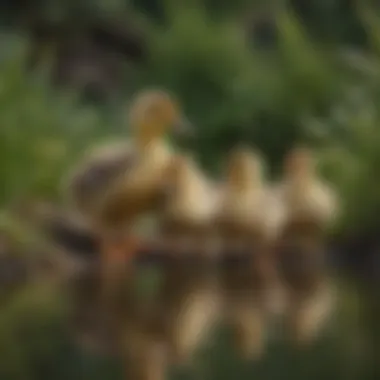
(118, 183)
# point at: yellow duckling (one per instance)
(311, 205)
(116, 184)
(247, 210)
(189, 292)
(249, 220)
(192, 202)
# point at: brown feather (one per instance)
(96, 176)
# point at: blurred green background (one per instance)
(273, 73)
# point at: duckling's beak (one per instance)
(184, 128)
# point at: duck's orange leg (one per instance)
(117, 256)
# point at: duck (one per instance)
(311, 206)
(188, 295)
(249, 220)
(117, 183)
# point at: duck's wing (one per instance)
(139, 189)
(91, 180)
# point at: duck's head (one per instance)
(245, 167)
(299, 163)
(155, 113)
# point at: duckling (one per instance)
(192, 202)
(248, 220)
(117, 184)
(310, 202)
(244, 213)
(311, 206)
(189, 293)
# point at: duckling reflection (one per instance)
(311, 206)
(189, 292)
(147, 360)
(249, 221)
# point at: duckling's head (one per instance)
(154, 113)
(299, 163)
(245, 167)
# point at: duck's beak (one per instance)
(184, 128)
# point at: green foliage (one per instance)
(40, 132)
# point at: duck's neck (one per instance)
(146, 137)
(144, 142)
(153, 151)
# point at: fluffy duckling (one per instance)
(248, 211)
(117, 184)
(249, 220)
(189, 293)
(311, 205)
(192, 202)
